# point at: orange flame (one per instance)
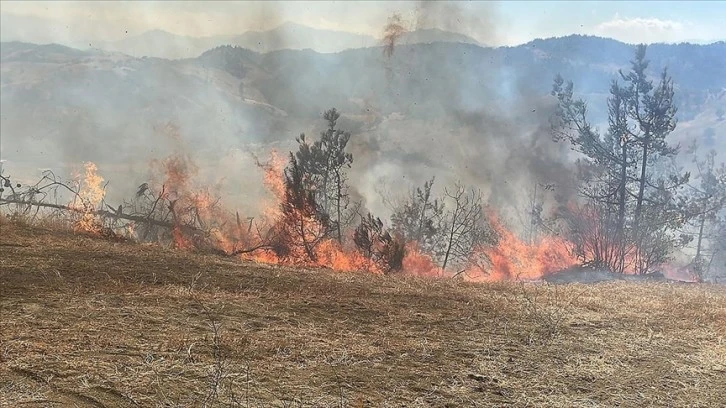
(91, 194)
(274, 171)
(513, 259)
(330, 254)
(417, 262)
(508, 260)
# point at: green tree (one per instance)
(628, 175)
(707, 201)
(324, 164)
(419, 218)
(303, 225)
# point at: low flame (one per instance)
(330, 254)
(198, 220)
(510, 259)
(513, 259)
(419, 263)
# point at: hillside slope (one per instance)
(65, 105)
(88, 323)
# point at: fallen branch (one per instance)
(101, 213)
(118, 214)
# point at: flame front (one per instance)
(509, 259)
(513, 259)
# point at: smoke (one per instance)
(391, 34)
(453, 17)
(468, 115)
(456, 112)
(64, 106)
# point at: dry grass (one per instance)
(94, 323)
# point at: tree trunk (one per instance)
(307, 246)
(700, 237)
(641, 188)
(338, 198)
(621, 209)
(451, 239)
(419, 232)
(639, 205)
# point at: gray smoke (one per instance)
(450, 111)
(496, 139)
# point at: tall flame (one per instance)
(90, 194)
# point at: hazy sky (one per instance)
(494, 23)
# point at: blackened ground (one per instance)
(586, 274)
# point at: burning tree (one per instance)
(630, 182)
(303, 225)
(323, 164)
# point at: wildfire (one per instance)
(181, 241)
(274, 170)
(513, 259)
(510, 259)
(332, 255)
(419, 263)
(194, 206)
(90, 195)
(683, 274)
(198, 219)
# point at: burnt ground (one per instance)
(95, 323)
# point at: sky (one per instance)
(491, 23)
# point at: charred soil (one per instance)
(93, 322)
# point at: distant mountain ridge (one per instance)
(292, 36)
(93, 104)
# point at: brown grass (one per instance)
(92, 323)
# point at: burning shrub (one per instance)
(377, 244)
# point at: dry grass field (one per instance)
(88, 322)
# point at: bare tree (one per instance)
(465, 225)
(419, 218)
